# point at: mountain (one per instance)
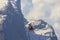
(13, 23)
(41, 30)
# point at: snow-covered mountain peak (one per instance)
(36, 22)
(41, 30)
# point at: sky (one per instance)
(47, 10)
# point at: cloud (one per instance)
(26, 6)
(35, 15)
(55, 13)
(3, 3)
(58, 36)
(36, 11)
(23, 4)
(44, 1)
(40, 9)
(57, 26)
(57, 29)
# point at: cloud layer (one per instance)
(40, 8)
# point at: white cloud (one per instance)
(57, 26)
(48, 1)
(3, 3)
(23, 5)
(35, 1)
(57, 29)
(45, 1)
(26, 6)
(39, 6)
(58, 36)
(36, 12)
(55, 13)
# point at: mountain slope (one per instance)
(42, 30)
(13, 25)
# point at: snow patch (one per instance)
(3, 4)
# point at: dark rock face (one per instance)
(13, 25)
